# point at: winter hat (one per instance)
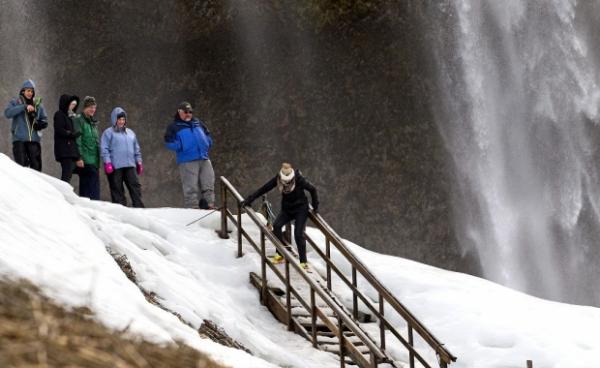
(286, 181)
(89, 101)
(286, 174)
(185, 106)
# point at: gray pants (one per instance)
(194, 175)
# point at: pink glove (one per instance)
(140, 168)
(108, 168)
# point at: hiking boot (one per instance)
(304, 266)
(277, 258)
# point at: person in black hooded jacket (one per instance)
(65, 148)
(294, 205)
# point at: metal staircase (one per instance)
(344, 321)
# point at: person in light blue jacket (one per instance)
(122, 159)
(28, 118)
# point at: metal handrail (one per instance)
(444, 356)
(343, 317)
(443, 353)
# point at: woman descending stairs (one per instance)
(326, 305)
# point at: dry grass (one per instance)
(35, 332)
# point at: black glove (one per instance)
(247, 202)
(75, 135)
(315, 210)
(39, 125)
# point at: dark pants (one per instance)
(299, 216)
(127, 176)
(28, 154)
(89, 182)
(67, 166)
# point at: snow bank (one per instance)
(59, 241)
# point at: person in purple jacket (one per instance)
(122, 159)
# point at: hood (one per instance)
(65, 100)
(113, 115)
(28, 84)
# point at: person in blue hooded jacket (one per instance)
(28, 118)
(191, 141)
(122, 159)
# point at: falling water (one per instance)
(23, 51)
(22, 36)
(519, 115)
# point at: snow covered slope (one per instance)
(59, 241)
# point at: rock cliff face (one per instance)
(340, 90)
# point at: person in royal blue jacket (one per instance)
(191, 141)
(28, 118)
(122, 158)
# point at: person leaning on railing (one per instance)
(294, 206)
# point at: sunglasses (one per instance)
(187, 112)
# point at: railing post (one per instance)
(328, 254)
(263, 267)
(381, 322)
(288, 296)
(313, 316)
(239, 227)
(529, 364)
(373, 360)
(354, 295)
(341, 338)
(411, 355)
(223, 234)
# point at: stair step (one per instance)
(334, 340)
(302, 312)
(335, 348)
(296, 304)
(329, 333)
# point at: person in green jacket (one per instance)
(89, 149)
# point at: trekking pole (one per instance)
(267, 210)
(210, 213)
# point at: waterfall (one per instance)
(24, 41)
(23, 54)
(518, 111)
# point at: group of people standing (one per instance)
(80, 149)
